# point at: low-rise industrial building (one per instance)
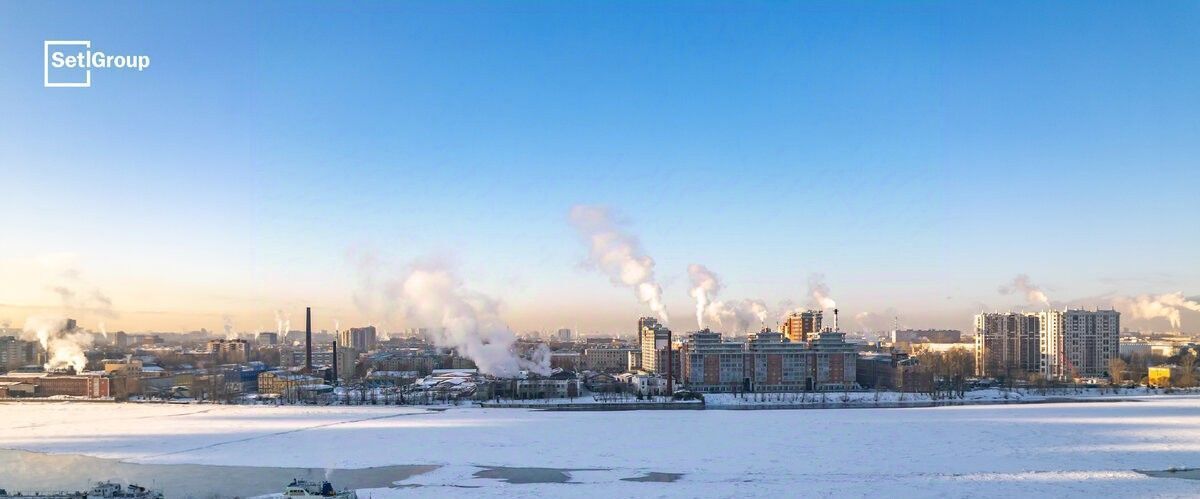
(86, 385)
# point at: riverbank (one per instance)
(1050, 449)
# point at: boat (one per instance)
(102, 490)
(107, 490)
(305, 488)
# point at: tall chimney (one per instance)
(835, 324)
(335, 378)
(308, 339)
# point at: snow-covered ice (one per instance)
(1069, 449)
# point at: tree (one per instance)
(1187, 370)
(1116, 370)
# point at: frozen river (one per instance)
(1073, 450)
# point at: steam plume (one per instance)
(72, 292)
(432, 296)
(1167, 306)
(740, 315)
(227, 323)
(818, 293)
(283, 323)
(376, 294)
(64, 347)
(705, 287)
(1022, 284)
(618, 255)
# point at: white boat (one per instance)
(102, 490)
(109, 490)
(305, 488)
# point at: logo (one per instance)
(69, 63)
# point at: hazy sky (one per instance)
(919, 155)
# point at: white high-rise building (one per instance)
(1079, 343)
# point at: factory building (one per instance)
(280, 382)
(86, 385)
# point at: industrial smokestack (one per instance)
(835, 322)
(308, 339)
(335, 378)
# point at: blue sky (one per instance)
(919, 155)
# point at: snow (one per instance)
(1066, 449)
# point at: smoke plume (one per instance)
(227, 323)
(876, 321)
(283, 323)
(618, 255)
(1166, 306)
(818, 293)
(433, 297)
(376, 294)
(740, 315)
(1023, 285)
(75, 297)
(705, 287)
(64, 347)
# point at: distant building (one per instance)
(281, 382)
(768, 362)
(15, 353)
(86, 385)
(886, 371)
(926, 336)
(798, 326)
(564, 335)
(1078, 343)
(268, 338)
(565, 360)
(606, 359)
(359, 338)
(655, 342)
(228, 351)
(412, 359)
(1007, 344)
(1130, 347)
(644, 383)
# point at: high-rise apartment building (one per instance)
(359, 338)
(654, 340)
(1078, 343)
(798, 326)
(229, 351)
(766, 362)
(1007, 344)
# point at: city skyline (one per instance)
(272, 162)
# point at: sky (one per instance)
(915, 156)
